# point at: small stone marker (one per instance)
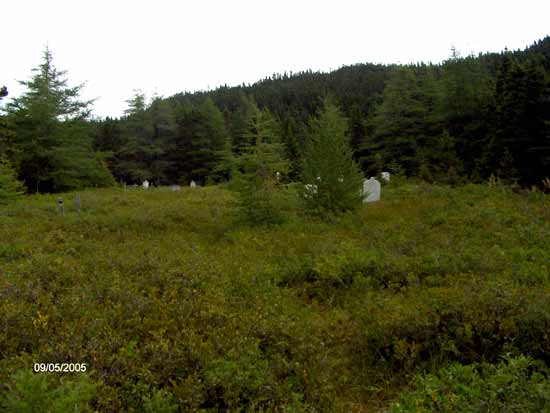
(61, 206)
(146, 184)
(176, 188)
(278, 175)
(371, 188)
(385, 176)
(192, 184)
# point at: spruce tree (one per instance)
(259, 170)
(521, 132)
(138, 150)
(333, 178)
(199, 142)
(53, 142)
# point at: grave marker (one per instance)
(371, 189)
(61, 206)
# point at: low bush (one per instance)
(472, 321)
(514, 385)
(28, 392)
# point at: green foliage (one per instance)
(514, 385)
(521, 132)
(160, 402)
(470, 322)
(402, 123)
(53, 143)
(458, 117)
(28, 392)
(139, 145)
(333, 177)
(204, 314)
(259, 171)
(10, 187)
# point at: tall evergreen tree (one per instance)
(522, 119)
(53, 141)
(259, 169)
(396, 132)
(135, 154)
(240, 123)
(329, 164)
(406, 128)
(465, 108)
(199, 143)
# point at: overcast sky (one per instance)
(166, 46)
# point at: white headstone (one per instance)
(176, 188)
(278, 175)
(192, 184)
(146, 184)
(385, 176)
(371, 189)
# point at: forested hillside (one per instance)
(468, 118)
(465, 119)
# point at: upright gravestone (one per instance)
(146, 184)
(371, 189)
(385, 176)
(61, 206)
(192, 184)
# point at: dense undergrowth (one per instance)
(176, 306)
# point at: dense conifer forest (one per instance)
(466, 119)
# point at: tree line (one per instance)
(466, 119)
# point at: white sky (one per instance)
(173, 46)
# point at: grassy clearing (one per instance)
(174, 305)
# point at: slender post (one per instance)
(61, 206)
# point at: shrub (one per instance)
(430, 327)
(514, 385)
(28, 392)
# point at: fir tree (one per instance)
(259, 170)
(53, 141)
(329, 164)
